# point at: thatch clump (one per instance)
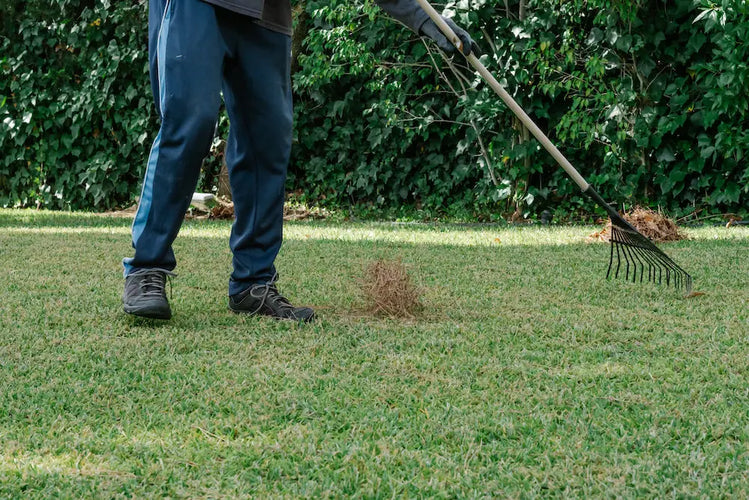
(650, 223)
(225, 210)
(388, 289)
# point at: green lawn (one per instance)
(527, 374)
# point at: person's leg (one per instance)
(257, 93)
(186, 51)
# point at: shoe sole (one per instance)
(146, 312)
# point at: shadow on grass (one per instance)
(83, 269)
(315, 253)
(479, 234)
(43, 218)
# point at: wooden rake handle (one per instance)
(508, 100)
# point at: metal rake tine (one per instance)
(640, 254)
(614, 244)
(644, 254)
(677, 279)
(666, 266)
(611, 260)
(672, 270)
(625, 251)
(618, 259)
(626, 246)
(651, 269)
(627, 257)
(635, 260)
(628, 250)
(652, 265)
(653, 261)
(643, 260)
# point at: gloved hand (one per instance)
(412, 15)
(430, 29)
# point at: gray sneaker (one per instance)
(145, 294)
(266, 300)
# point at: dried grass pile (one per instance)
(388, 289)
(650, 223)
(224, 210)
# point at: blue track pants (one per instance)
(196, 52)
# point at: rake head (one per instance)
(632, 253)
(635, 257)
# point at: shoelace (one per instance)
(268, 291)
(153, 283)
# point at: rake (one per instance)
(631, 252)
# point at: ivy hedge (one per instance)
(648, 99)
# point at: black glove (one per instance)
(412, 15)
(430, 29)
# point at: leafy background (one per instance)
(648, 99)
